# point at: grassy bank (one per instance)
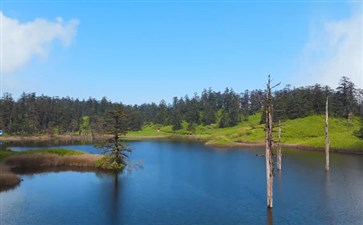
(58, 152)
(62, 137)
(307, 132)
(42, 159)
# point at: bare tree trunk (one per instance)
(268, 150)
(279, 151)
(326, 136)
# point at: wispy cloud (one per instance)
(334, 49)
(22, 41)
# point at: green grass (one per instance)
(308, 131)
(6, 153)
(152, 130)
(220, 140)
(59, 152)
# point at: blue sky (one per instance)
(146, 51)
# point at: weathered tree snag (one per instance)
(268, 142)
(279, 151)
(326, 136)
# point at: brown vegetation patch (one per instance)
(8, 180)
(42, 163)
(51, 160)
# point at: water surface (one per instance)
(189, 183)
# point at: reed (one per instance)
(51, 160)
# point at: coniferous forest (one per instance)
(33, 114)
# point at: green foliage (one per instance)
(208, 115)
(359, 133)
(224, 120)
(117, 150)
(346, 95)
(55, 131)
(177, 125)
(109, 163)
(192, 111)
(85, 125)
(33, 115)
(191, 127)
(230, 114)
(308, 131)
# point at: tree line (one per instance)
(31, 114)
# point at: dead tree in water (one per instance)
(326, 135)
(279, 151)
(269, 143)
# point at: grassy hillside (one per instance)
(308, 131)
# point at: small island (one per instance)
(43, 160)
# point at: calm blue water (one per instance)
(189, 183)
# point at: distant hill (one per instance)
(307, 131)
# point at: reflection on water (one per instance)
(114, 203)
(269, 217)
(45, 169)
(189, 183)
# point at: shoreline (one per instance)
(64, 137)
(241, 144)
(198, 138)
(293, 146)
(13, 166)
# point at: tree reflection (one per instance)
(114, 201)
(111, 191)
(269, 216)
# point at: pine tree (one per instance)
(176, 117)
(118, 126)
(208, 115)
(346, 95)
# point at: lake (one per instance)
(190, 183)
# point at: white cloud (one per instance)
(335, 49)
(22, 41)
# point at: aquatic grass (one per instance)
(59, 152)
(42, 159)
(51, 160)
